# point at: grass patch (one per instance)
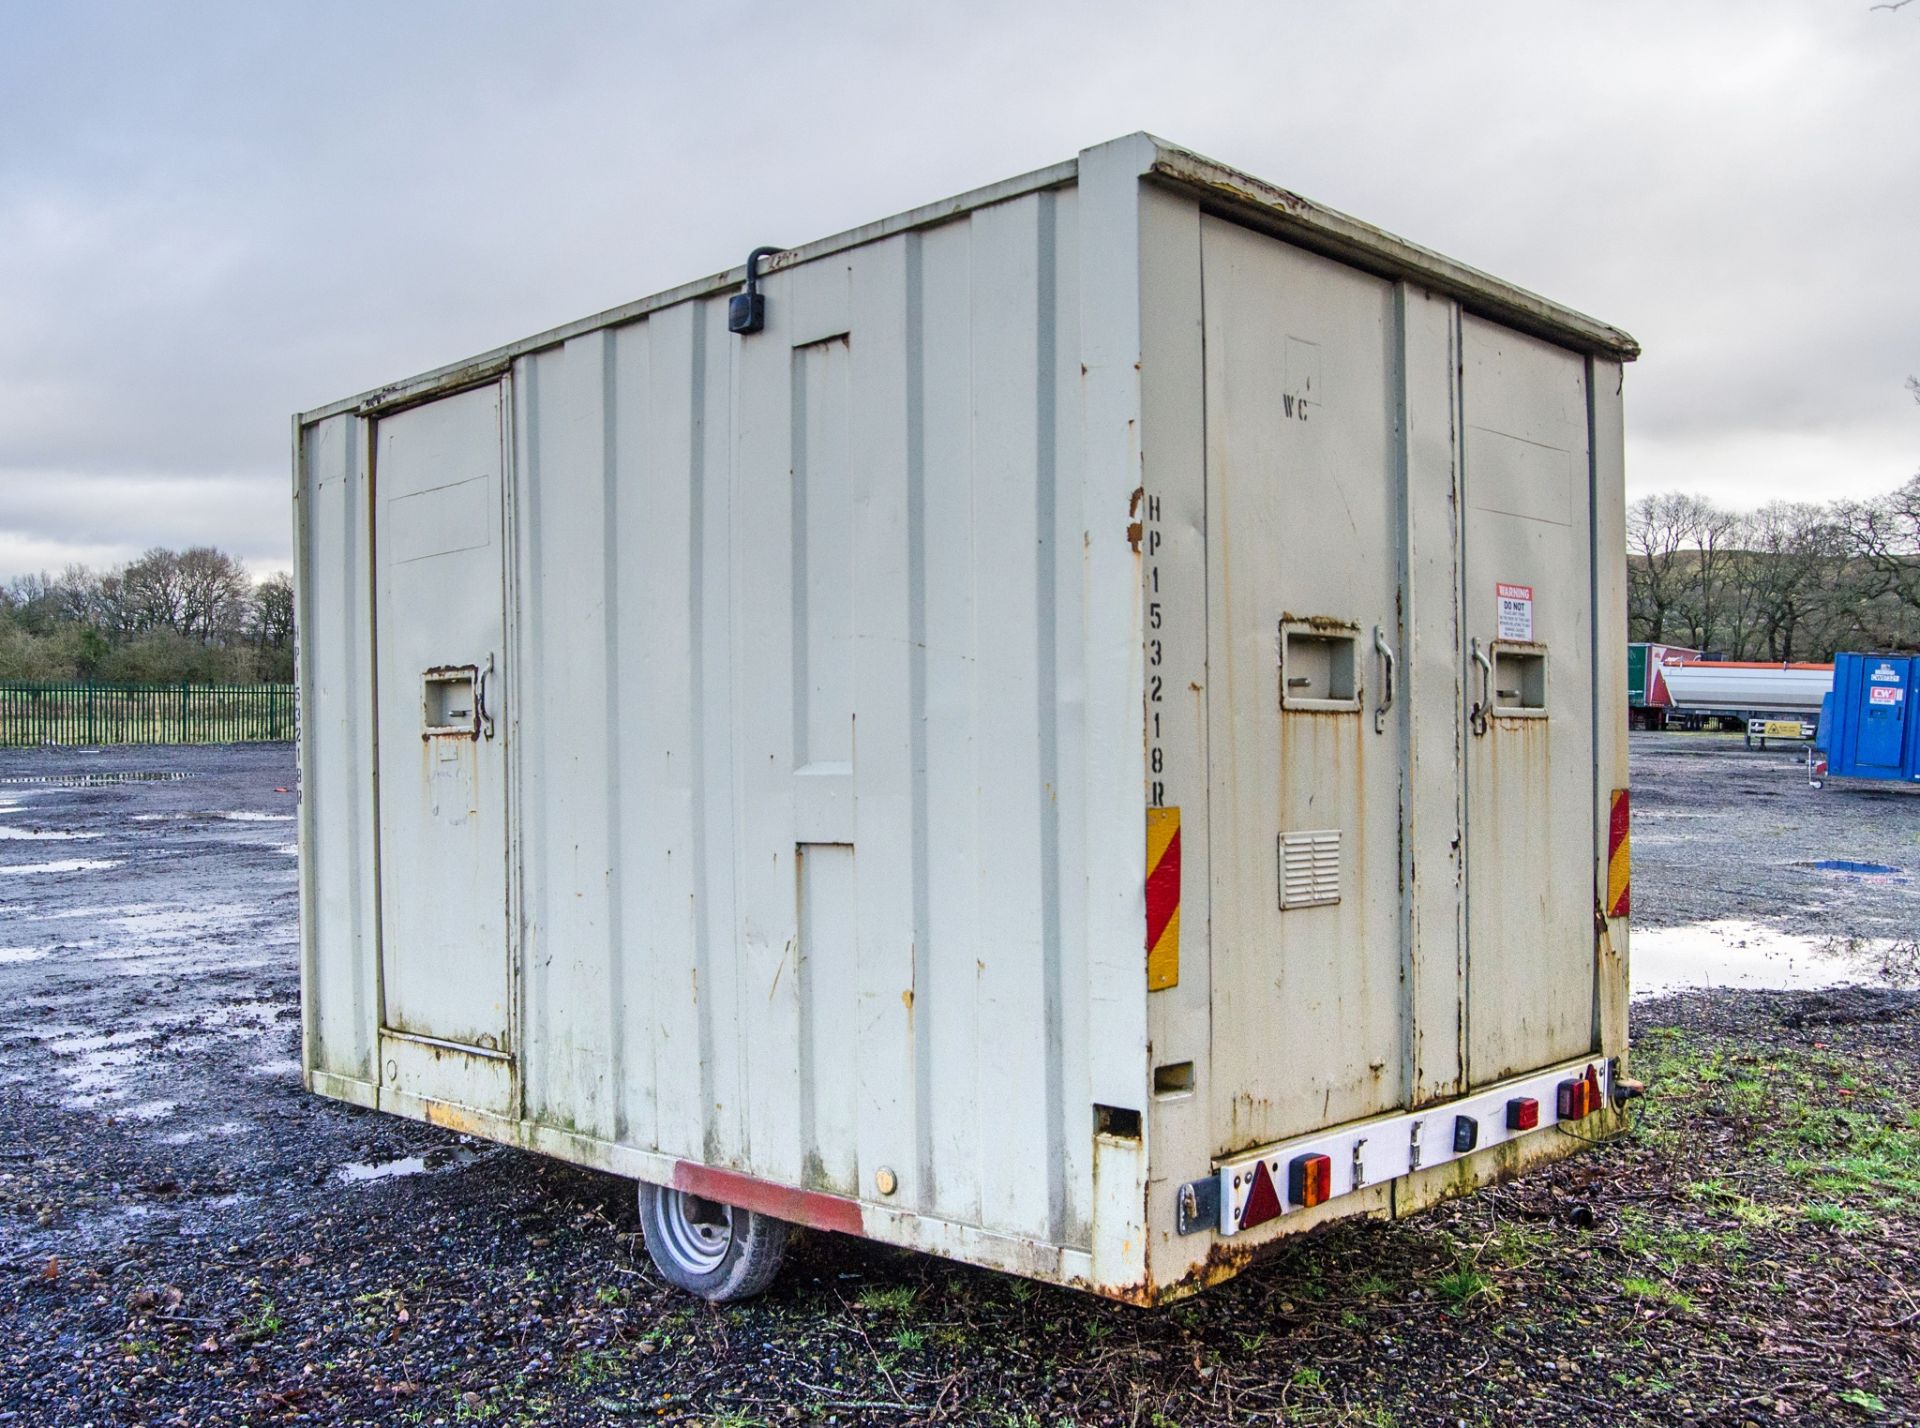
(890, 1298)
(1842, 1218)
(1515, 1246)
(1654, 1291)
(1462, 1286)
(590, 1368)
(1870, 1403)
(263, 1323)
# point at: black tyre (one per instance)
(719, 1252)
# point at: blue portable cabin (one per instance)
(1867, 725)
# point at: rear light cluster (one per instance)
(1309, 1183)
(1288, 1178)
(1579, 1098)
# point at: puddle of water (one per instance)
(1733, 953)
(245, 817)
(95, 1041)
(148, 1111)
(188, 1137)
(1854, 868)
(246, 1016)
(287, 1067)
(361, 1171)
(23, 954)
(147, 930)
(98, 780)
(63, 865)
(96, 1066)
(52, 1031)
(47, 835)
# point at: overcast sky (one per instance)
(212, 216)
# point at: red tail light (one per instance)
(1309, 1180)
(1571, 1100)
(1523, 1113)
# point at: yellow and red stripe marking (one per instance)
(1619, 858)
(1163, 898)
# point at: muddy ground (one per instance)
(187, 1237)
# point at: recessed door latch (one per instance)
(747, 311)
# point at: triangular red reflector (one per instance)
(1263, 1201)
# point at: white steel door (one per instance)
(1528, 609)
(439, 635)
(1304, 522)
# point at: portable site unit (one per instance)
(1867, 728)
(1081, 729)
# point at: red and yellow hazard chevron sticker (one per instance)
(1619, 858)
(1163, 898)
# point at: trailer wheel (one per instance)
(719, 1252)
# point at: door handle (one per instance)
(1478, 719)
(480, 698)
(1386, 687)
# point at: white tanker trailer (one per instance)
(1769, 697)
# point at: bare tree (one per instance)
(216, 595)
(1885, 534)
(1705, 538)
(149, 594)
(1657, 531)
(1794, 566)
(271, 618)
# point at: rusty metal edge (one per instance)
(1242, 197)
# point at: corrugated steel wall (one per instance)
(340, 997)
(799, 770)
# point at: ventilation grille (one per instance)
(1310, 868)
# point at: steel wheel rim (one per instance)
(698, 1233)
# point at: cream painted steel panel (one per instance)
(826, 712)
(1611, 975)
(1530, 757)
(1430, 699)
(1303, 477)
(440, 632)
(340, 989)
(853, 944)
(1173, 592)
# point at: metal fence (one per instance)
(32, 714)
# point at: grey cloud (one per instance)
(212, 217)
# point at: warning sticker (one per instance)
(1885, 694)
(1516, 611)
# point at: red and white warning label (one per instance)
(1516, 611)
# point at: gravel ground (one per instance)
(1722, 831)
(187, 1237)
